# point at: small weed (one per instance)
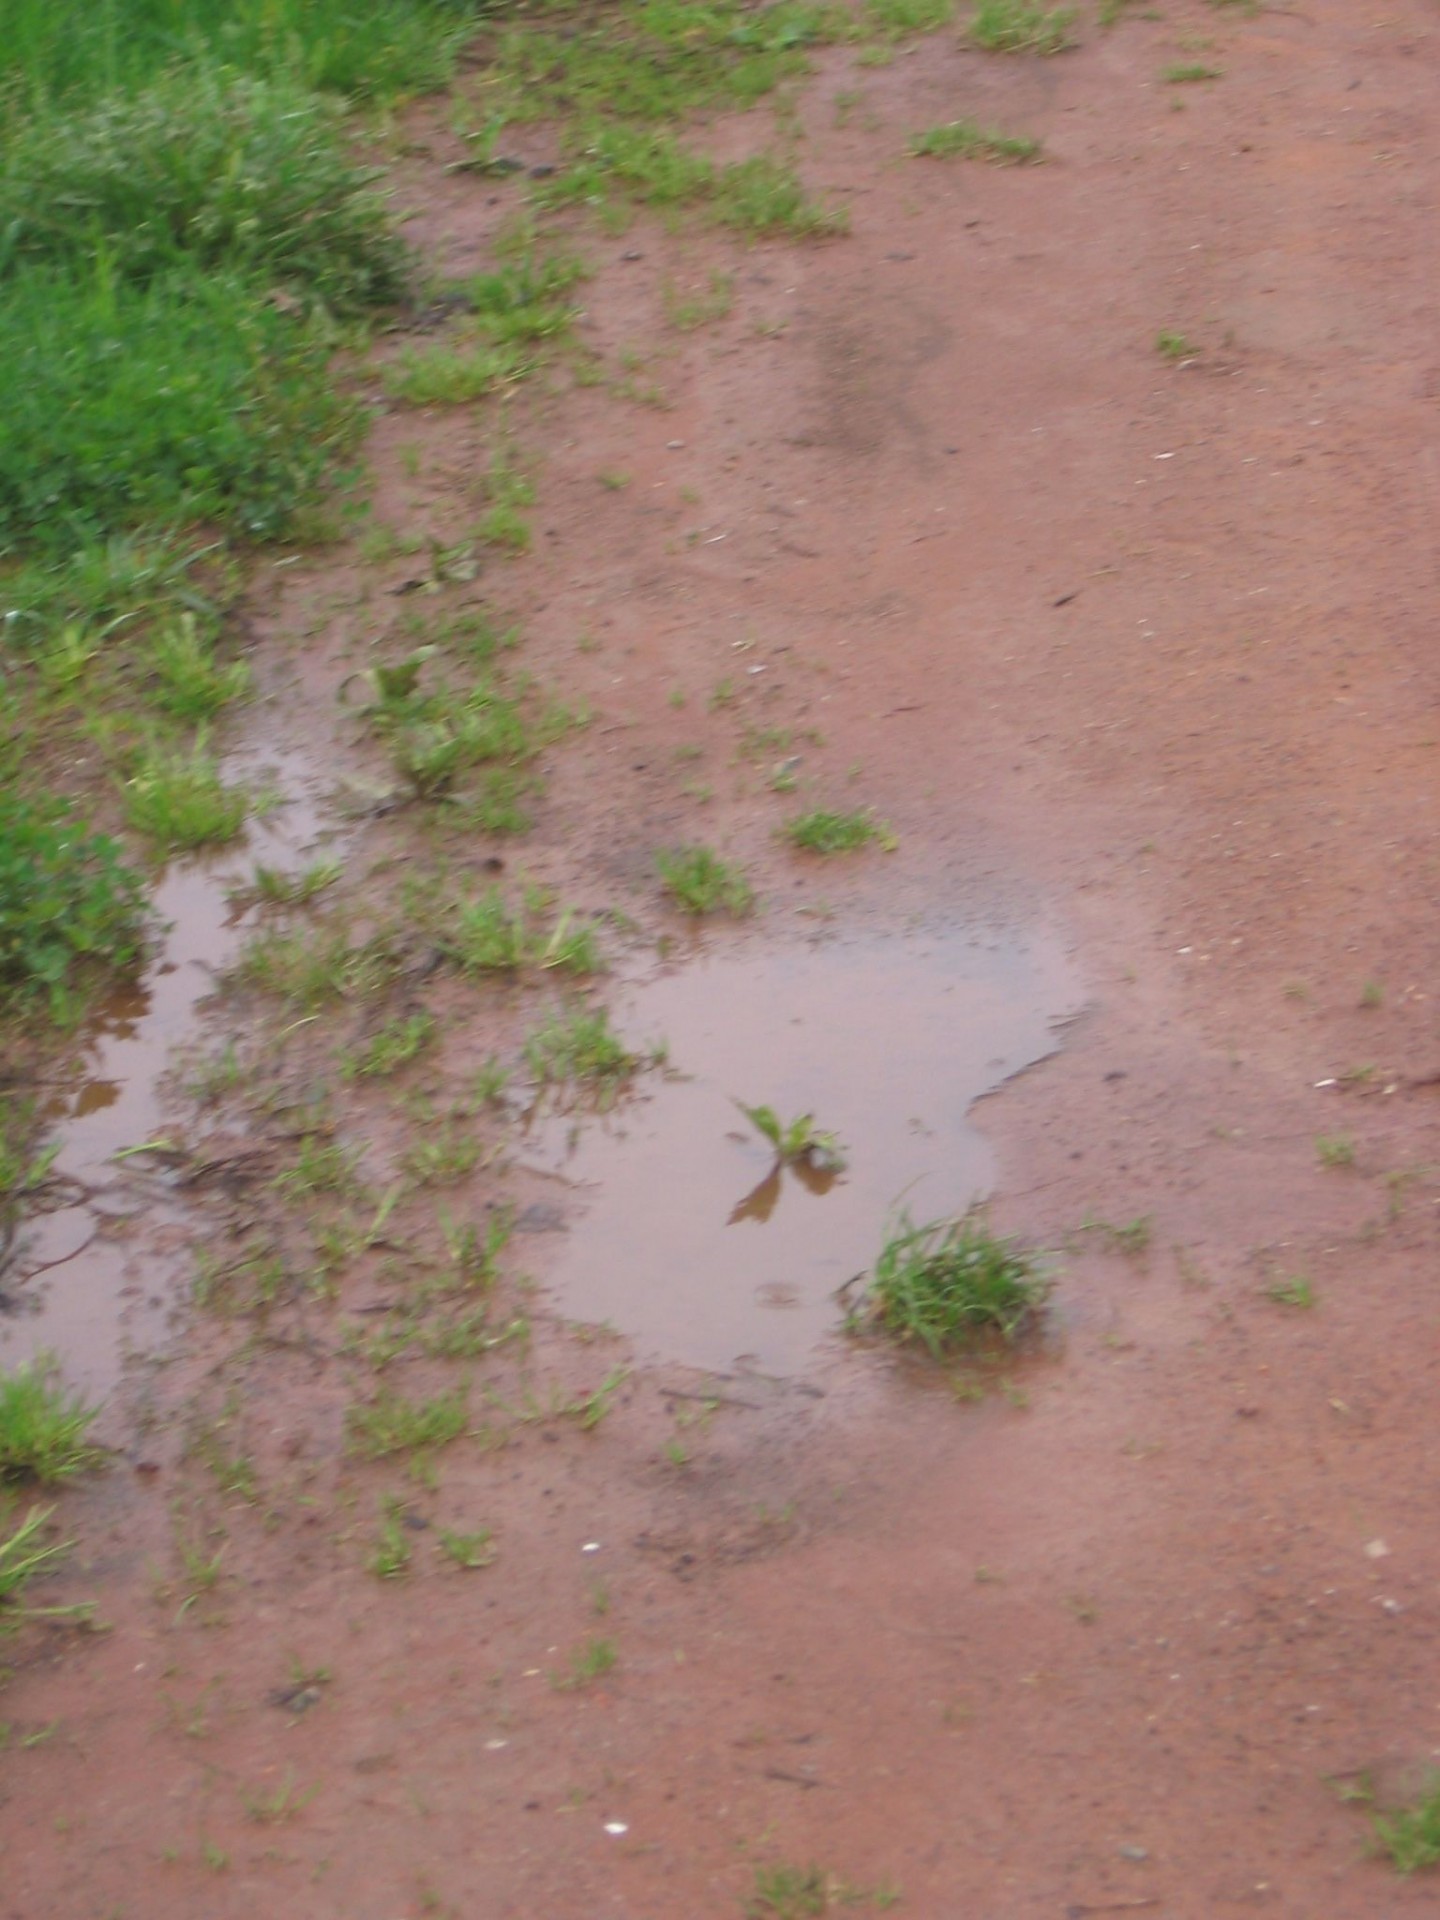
(444, 1156)
(964, 140)
(308, 969)
(591, 1408)
(1372, 994)
(179, 801)
(582, 1045)
(1173, 346)
(486, 935)
(321, 1166)
(789, 1893)
(468, 1550)
(1295, 1290)
(22, 1557)
(65, 900)
(1411, 1835)
(796, 1142)
(588, 1663)
(1189, 73)
(280, 1804)
(42, 1427)
(1020, 26)
(700, 309)
(190, 684)
(393, 1047)
(1335, 1149)
(392, 1424)
(827, 832)
(392, 1553)
(452, 375)
(1132, 1237)
(277, 888)
(489, 1082)
(701, 882)
(945, 1282)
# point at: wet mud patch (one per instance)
(95, 1265)
(697, 1243)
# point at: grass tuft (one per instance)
(42, 1427)
(944, 1283)
(1020, 26)
(65, 900)
(179, 801)
(966, 140)
(828, 832)
(698, 880)
(1410, 1837)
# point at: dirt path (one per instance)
(1135, 655)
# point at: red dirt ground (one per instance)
(1139, 651)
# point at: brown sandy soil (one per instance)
(1135, 656)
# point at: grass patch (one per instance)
(385, 48)
(698, 880)
(827, 832)
(487, 934)
(1410, 1837)
(1190, 73)
(396, 1044)
(582, 1045)
(966, 140)
(179, 801)
(1173, 346)
(589, 1663)
(66, 901)
(308, 968)
(42, 1427)
(392, 1424)
(947, 1282)
(22, 1557)
(222, 172)
(187, 682)
(451, 375)
(1018, 26)
(1335, 1149)
(189, 398)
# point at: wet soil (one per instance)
(1133, 650)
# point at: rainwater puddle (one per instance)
(95, 1277)
(694, 1244)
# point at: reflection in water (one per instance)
(73, 1283)
(886, 1042)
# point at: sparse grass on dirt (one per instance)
(23, 1555)
(701, 882)
(1410, 1836)
(42, 1427)
(1018, 26)
(825, 831)
(965, 140)
(949, 1281)
(1189, 73)
(581, 1045)
(1173, 346)
(391, 1423)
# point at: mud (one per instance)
(1138, 651)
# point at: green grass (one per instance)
(1173, 346)
(966, 140)
(589, 1663)
(310, 967)
(698, 880)
(1295, 1290)
(1410, 1837)
(1189, 73)
(761, 196)
(396, 1044)
(946, 1282)
(827, 832)
(797, 1141)
(581, 1045)
(187, 681)
(381, 49)
(467, 1550)
(208, 170)
(1335, 1149)
(42, 1427)
(1018, 26)
(67, 901)
(451, 374)
(178, 800)
(896, 19)
(487, 934)
(392, 1424)
(22, 1557)
(189, 398)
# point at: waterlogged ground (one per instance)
(1133, 654)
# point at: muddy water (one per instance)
(694, 1242)
(96, 1275)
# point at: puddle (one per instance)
(694, 1244)
(94, 1280)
